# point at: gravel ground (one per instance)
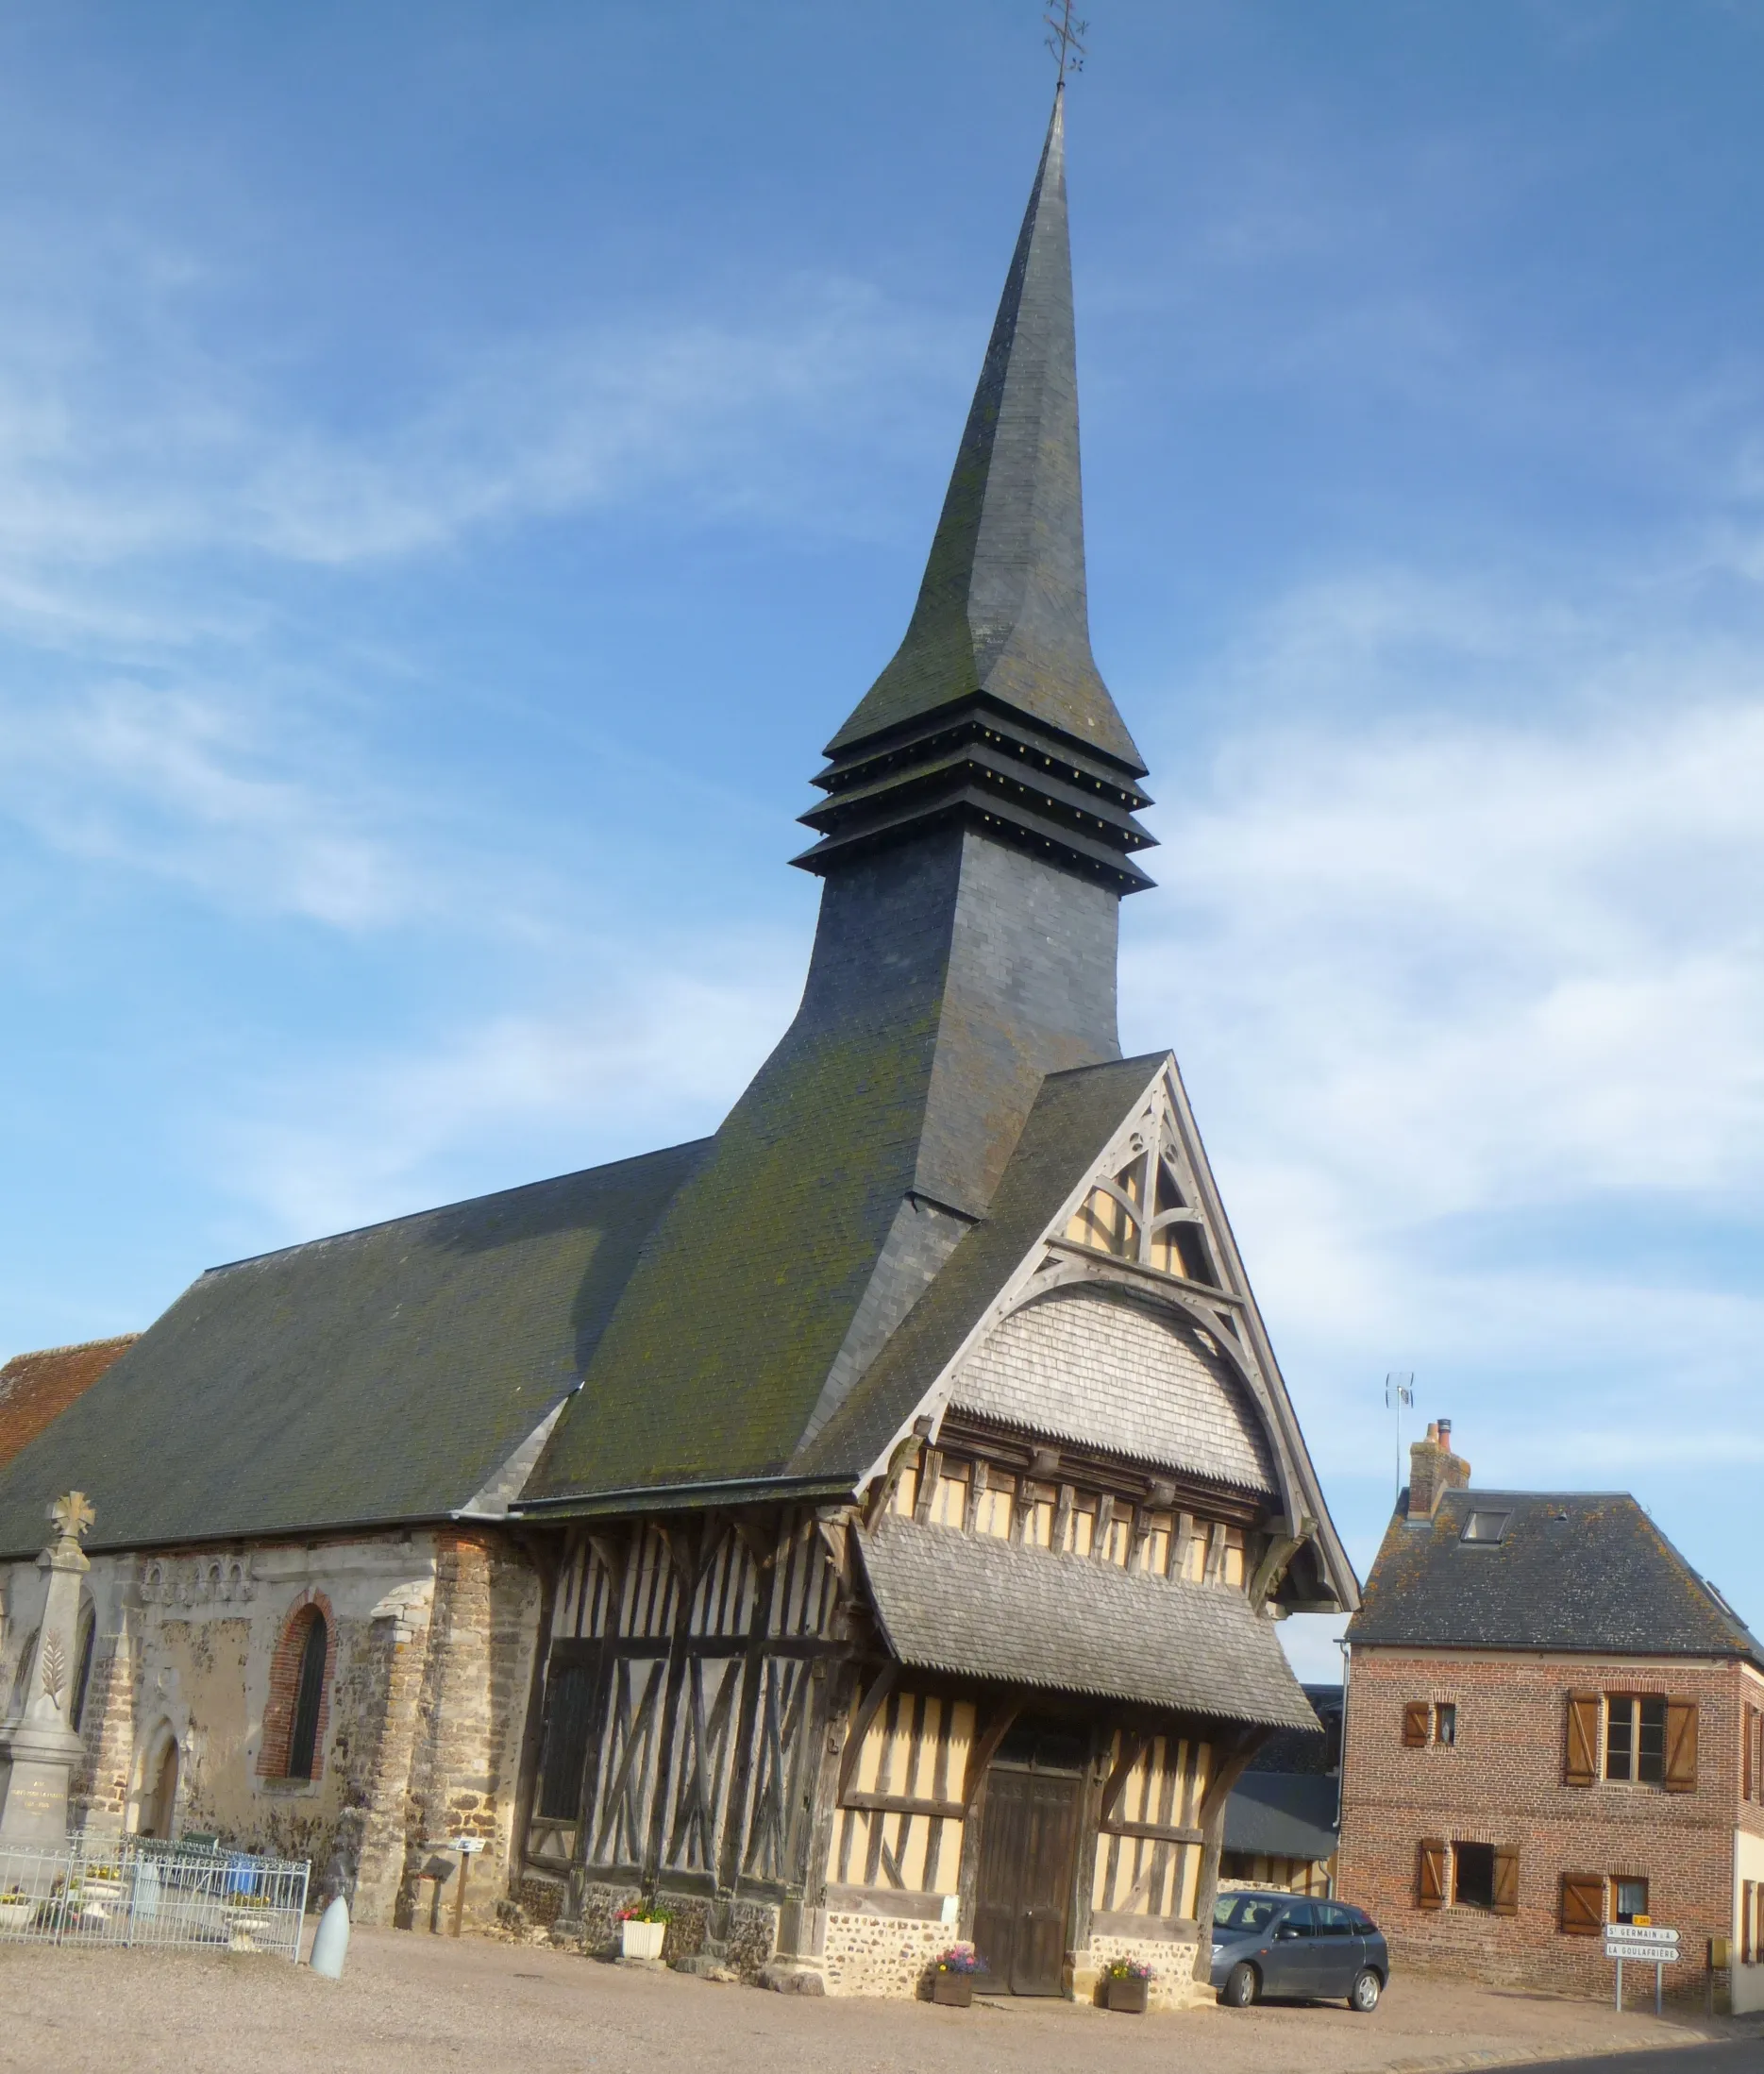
(428, 2003)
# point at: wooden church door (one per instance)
(1028, 1835)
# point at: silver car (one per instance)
(1280, 1944)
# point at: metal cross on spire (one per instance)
(1066, 41)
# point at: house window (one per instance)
(1629, 1899)
(293, 1746)
(1472, 1875)
(1430, 1721)
(1488, 1528)
(1635, 1739)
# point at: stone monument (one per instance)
(38, 1751)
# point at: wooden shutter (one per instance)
(1681, 1745)
(1415, 1721)
(1580, 1764)
(1748, 1903)
(1583, 1904)
(1745, 1755)
(1505, 1879)
(1430, 1875)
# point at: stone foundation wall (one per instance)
(1174, 1985)
(430, 1671)
(890, 1955)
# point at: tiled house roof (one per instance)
(1571, 1571)
(35, 1388)
(382, 1376)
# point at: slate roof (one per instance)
(1075, 1115)
(381, 1376)
(1575, 1571)
(952, 1601)
(1002, 610)
(35, 1388)
(1282, 1815)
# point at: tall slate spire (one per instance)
(994, 676)
(976, 840)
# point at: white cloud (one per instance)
(654, 1056)
(155, 447)
(193, 789)
(1472, 1009)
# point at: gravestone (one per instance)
(38, 1751)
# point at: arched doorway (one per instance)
(159, 1791)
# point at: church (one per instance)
(859, 1531)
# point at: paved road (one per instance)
(1733, 2056)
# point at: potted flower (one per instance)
(643, 1930)
(952, 1976)
(1125, 1985)
(16, 1909)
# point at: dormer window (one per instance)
(1485, 1527)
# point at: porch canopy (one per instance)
(968, 1603)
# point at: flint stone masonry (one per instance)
(882, 1954)
(1173, 1962)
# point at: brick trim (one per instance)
(278, 1708)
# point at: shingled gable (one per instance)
(1079, 1121)
(1584, 1572)
(965, 948)
(384, 1376)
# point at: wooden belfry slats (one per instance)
(1148, 1841)
(900, 1815)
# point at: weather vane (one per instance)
(1067, 40)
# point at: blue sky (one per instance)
(457, 464)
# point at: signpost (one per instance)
(468, 1847)
(1658, 1949)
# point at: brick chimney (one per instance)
(1434, 1470)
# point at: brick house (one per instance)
(1552, 1725)
(861, 1530)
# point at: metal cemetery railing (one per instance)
(137, 1891)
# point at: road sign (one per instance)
(1651, 1955)
(1640, 1933)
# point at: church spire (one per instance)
(994, 678)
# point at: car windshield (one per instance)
(1247, 1912)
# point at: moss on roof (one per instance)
(379, 1376)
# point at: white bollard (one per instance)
(331, 1941)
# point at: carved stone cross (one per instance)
(71, 1514)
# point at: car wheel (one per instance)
(1242, 1986)
(1366, 1989)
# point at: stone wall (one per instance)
(867, 1954)
(430, 1671)
(1172, 1960)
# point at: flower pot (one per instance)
(1128, 1995)
(953, 1990)
(642, 1940)
(16, 1914)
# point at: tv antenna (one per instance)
(1399, 1391)
(1066, 40)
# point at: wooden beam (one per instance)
(981, 1754)
(1133, 1747)
(1154, 1832)
(897, 1803)
(868, 1708)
